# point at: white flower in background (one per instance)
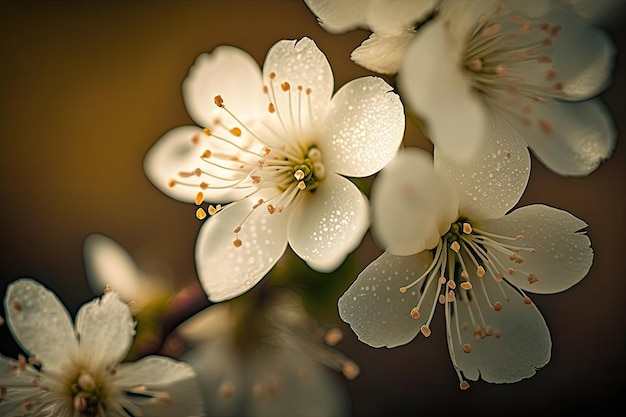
(279, 140)
(448, 241)
(109, 265)
(480, 58)
(263, 357)
(392, 23)
(76, 371)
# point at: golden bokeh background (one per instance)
(86, 89)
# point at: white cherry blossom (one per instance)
(76, 370)
(449, 241)
(536, 70)
(278, 143)
(392, 23)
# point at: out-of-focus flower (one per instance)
(277, 144)
(261, 355)
(392, 23)
(75, 371)
(109, 265)
(481, 58)
(449, 241)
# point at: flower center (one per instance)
(508, 61)
(461, 249)
(87, 395)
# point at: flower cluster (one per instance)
(272, 163)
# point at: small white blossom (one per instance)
(75, 371)
(534, 71)
(278, 143)
(448, 241)
(262, 356)
(392, 23)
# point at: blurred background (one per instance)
(87, 87)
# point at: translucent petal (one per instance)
(108, 264)
(570, 138)
(388, 17)
(413, 206)
(226, 271)
(599, 11)
(300, 63)
(329, 223)
(519, 345)
(435, 88)
(563, 254)
(39, 322)
(338, 16)
(363, 127)
(583, 55)
(173, 153)
(491, 184)
(105, 328)
(376, 310)
(230, 73)
(382, 53)
(175, 379)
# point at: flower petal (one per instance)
(339, 16)
(39, 322)
(376, 310)
(328, 224)
(435, 88)
(108, 264)
(363, 127)
(230, 73)
(301, 64)
(105, 328)
(175, 379)
(382, 53)
(520, 343)
(226, 271)
(387, 17)
(571, 138)
(413, 205)
(583, 55)
(175, 152)
(563, 254)
(491, 184)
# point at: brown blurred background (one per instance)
(87, 87)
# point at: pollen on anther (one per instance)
(204, 185)
(532, 278)
(237, 229)
(464, 275)
(403, 290)
(237, 243)
(235, 131)
(199, 198)
(497, 306)
(308, 91)
(298, 175)
(301, 185)
(455, 246)
(350, 370)
(200, 213)
(214, 209)
(271, 108)
(442, 280)
(451, 284)
(425, 330)
(480, 271)
(271, 209)
(415, 314)
(197, 172)
(467, 348)
(272, 75)
(256, 179)
(527, 300)
(219, 102)
(285, 86)
(464, 385)
(467, 228)
(511, 271)
(206, 131)
(466, 285)
(171, 183)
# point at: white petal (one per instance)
(226, 271)
(338, 16)
(300, 63)
(105, 329)
(158, 373)
(376, 310)
(363, 127)
(108, 264)
(599, 11)
(173, 153)
(230, 73)
(388, 17)
(563, 254)
(570, 138)
(39, 322)
(583, 55)
(491, 184)
(435, 88)
(329, 223)
(413, 205)
(523, 345)
(382, 53)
